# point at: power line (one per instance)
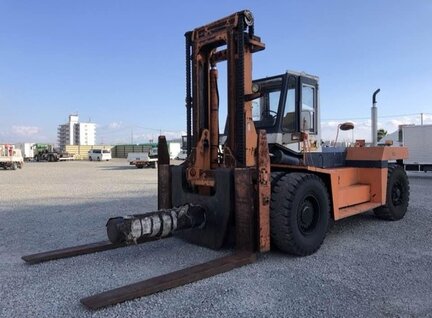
(385, 116)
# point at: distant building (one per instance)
(76, 133)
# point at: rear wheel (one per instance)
(14, 166)
(275, 176)
(397, 196)
(299, 213)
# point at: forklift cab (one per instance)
(287, 106)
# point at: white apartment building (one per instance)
(76, 133)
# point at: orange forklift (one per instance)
(266, 181)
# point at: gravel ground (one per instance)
(366, 267)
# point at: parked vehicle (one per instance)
(10, 158)
(417, 139)
(153, 153)
(99, 154)
(46, 152)
(182, 155)
(174, 149)
(142, 159)
(27, 150)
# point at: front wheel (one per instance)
(299, 213)
(397, 195)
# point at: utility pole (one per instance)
(132, 136)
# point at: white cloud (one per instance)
(115, 125)
(362, 128)
(25, 131)
(145, 137)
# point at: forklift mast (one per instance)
(230, 39)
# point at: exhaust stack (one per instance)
(374, 118)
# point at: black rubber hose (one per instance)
(188, 36)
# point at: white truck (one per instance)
(419, 142)
(10, 158)
(174, 149)
(26, 150)
(142, 159)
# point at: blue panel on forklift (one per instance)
(325, 159)
(330, 157)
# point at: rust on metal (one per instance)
(163, 154)
(164, 175)
(198, 171)
(244, 209)
(251, 136)
(264, 192)
(71, 252)
(168, 281)
(214, 119)
(223, 40)
(164, 187)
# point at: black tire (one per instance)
(275, 176)
(14, 166)
(140, 166)
(90, 158)
(299, 213)
(98, 159)
(397, 196)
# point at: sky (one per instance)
(121, 64)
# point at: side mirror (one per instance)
(344, 127)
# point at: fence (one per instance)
(118, 151)
(80, 152)
(121, 151)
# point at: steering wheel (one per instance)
(270, 112)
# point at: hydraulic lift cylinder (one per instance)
(154, 225)
(214, 118)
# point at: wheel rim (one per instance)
(397, 194)
(308, 215)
